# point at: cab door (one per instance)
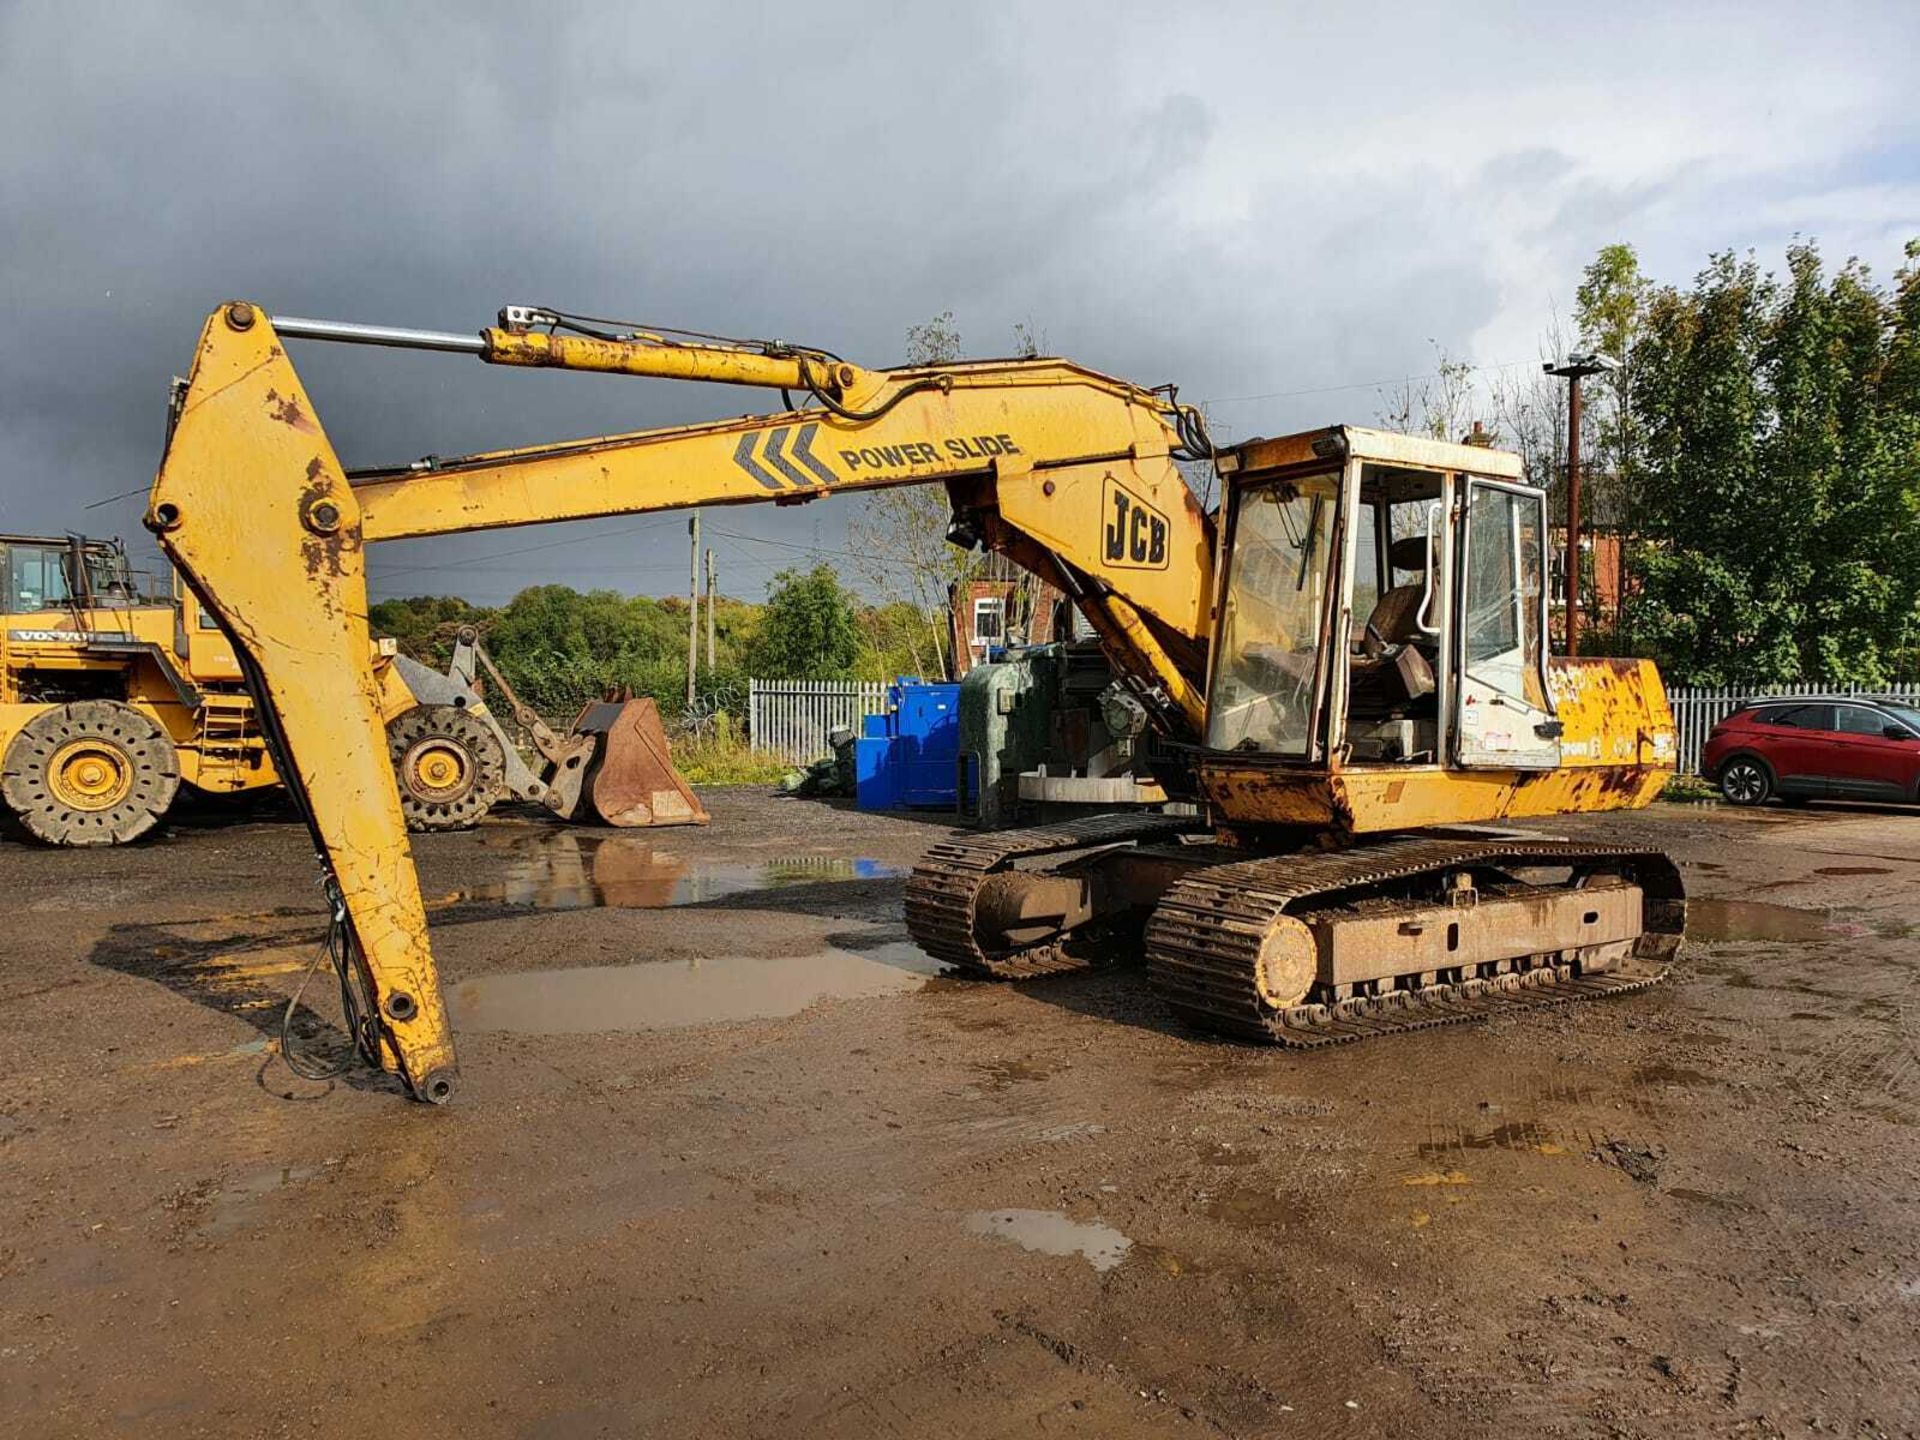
(1502, 711)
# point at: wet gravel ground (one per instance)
(762, 1175)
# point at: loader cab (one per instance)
(48, 573)
(1380, 604)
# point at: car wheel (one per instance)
(1745, 782)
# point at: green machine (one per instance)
(1048, 732)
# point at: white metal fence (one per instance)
(1698, 708)
(791, 718)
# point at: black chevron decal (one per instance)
(780, 462)
(777, 460)
(803, 452)
(743, 457)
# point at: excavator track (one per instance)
(1205, 936)
(945, 886)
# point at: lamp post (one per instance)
(1577, 365)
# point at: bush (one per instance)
(718, 754)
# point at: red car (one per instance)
(1844, 748)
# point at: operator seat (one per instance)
(1392, 672)
(1395, 616)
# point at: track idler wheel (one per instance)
(449, 765)
(94, 772)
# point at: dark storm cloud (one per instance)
(1151, 191)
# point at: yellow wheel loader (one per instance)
(113, 696)
(1347, 701)
(612, 767)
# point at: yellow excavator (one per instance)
(1352, 653)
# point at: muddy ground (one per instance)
(920, 1207)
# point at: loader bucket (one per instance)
(630, 780)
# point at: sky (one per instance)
(1283, 208)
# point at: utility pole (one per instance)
(709, 612)
(1577, 366)
(693, 606)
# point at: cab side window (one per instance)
(39, 578)
(1799, 717)
(1856, 720)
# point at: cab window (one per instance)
(109, 578)
(39, 578)
(1367, 588)
(1278, 570)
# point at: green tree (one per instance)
(560, 648)
(892, 641)
(900, 533)
(424, 625)
(1609, 306)
(1438, 406)
(808, 630)
(1777, 475)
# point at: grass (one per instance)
(722, 757)
(1689, 787)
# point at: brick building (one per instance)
(1001, 605)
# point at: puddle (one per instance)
(1249, 1206)
(1519, 1135)
(1708, 1198)
(663, 995)
(1048, 1232)
(1438, 1177)
(233, 1204)
(572, 871)
(1002, 1074)
(1733, 920)
(1218, 1152)
(1664, 1074)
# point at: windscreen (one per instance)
(1276, 593)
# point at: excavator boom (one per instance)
(1068, 472)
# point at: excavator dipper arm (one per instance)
(1045, 461)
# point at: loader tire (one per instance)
(94, 772)
(449, 765)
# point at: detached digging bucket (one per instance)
(630, 780)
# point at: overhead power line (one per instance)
(1355, 385)
(653, 524)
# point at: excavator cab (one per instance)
(1380, 658)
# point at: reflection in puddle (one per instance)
(1517, 1135)
(663, 995)
(573, 871)
(1048, 1232)
(1729, 920)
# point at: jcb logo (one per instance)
(1136, 533)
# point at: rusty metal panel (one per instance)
(1380, 446)
(1614, 713)
(1267, 794)
(1442, 937)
